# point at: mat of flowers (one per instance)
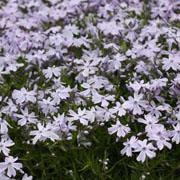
(69, 66)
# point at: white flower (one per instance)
(11, 166)
(121, 130)
(145, 149)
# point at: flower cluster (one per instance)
(86, 64)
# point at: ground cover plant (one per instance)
(89, 89)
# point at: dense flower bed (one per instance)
(69, 66)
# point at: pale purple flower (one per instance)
(90, 88)
(176, 133)
(61, 123)
(26, 177)
(118, 109)
(161, 136)
(11, 166)
(130, 145)
(79, 116)
(137, 86)
(48, 106)
(110, 28)
(10, 108)
(87, 66)
(23, 95)
(26, 117)
(120, 129)
(173, 62)
(145, 150)
(4, 146)
(103, 114)
(52, 71)
(135, 104)
(4, 126)
(103, 100)
(61, 94)
(43, 133)
(91, 114)
(149, 121)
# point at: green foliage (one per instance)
(66, 160)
